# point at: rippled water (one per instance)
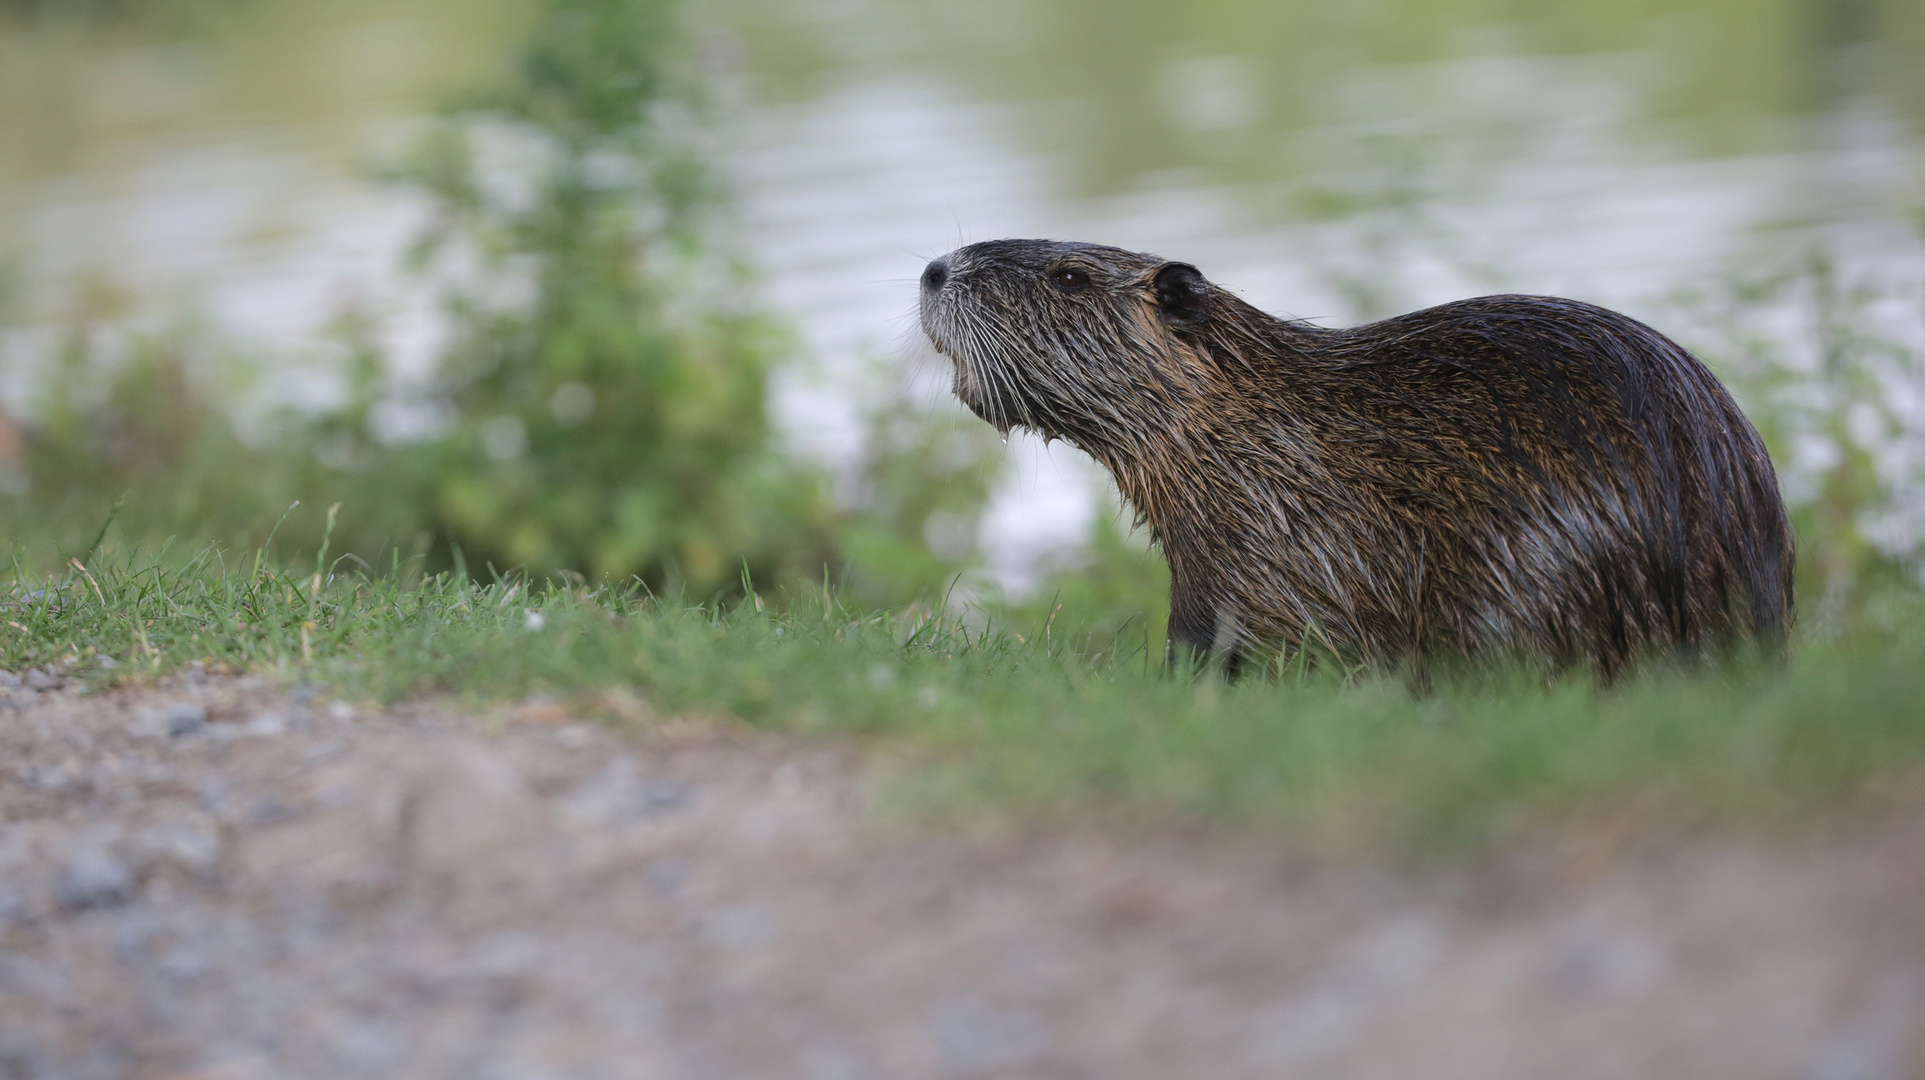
(1331, 160)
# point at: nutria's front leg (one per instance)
(1203, 635)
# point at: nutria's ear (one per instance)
(1182, 295)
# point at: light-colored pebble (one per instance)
(185, 718)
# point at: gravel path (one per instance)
(213, 880)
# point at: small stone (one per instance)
(213, 796)
(271, 811)
(665, 796)
(267, 724)
(619, 794)
(225, 732)
(133, 933)
(185, 718)
(52, 779)
(326, 750)
(42, 679)
(182, 963)
(738, 926)
(8, 680)
(974, 1038)
(506, 956)
(148, 723)
(191, 847)
(666, 876)
(93, 879)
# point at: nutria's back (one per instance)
(1510, 475)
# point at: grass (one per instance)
(1035, 724)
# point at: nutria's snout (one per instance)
(934, 275)
(1506, 476)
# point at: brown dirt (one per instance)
(296, 891)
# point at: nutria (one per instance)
(1517, 476)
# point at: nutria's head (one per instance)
(1074, 341)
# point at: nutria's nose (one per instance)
(934, 275)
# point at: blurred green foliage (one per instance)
(600, 407)
(1823, 360)
(121, 408)
(925, 479)
(606, 381)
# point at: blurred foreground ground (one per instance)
(213, 879)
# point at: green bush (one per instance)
(1812, 352)
(604, 388)
(607, 382)
(121, 409)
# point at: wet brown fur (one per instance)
(1506, 476)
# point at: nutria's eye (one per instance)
(1069, 279)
